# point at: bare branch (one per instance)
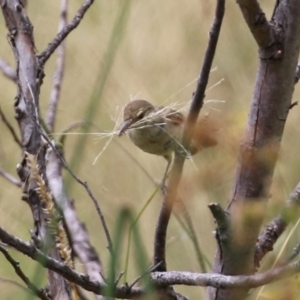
(294, 253)
(261, 143)
(221, 218)
(10, 178)
(225, 281)
(257, 22)
(176, 172)
(27, 114)
(10, 128)
(44, 56)
(142, 275)
(159, 279)
(65, 271)
(59, 72)
(13, 282)
(276, 227)
(85, 185)
(119, 278)
(38, 292)
(76, 230)
(7, 70)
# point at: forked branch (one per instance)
(176, 172)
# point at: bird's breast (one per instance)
(155, 139)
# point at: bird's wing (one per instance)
(174, 116)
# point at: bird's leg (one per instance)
(163, 183)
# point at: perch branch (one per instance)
(176, 172)
(225, 281)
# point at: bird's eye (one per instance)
(140, 115)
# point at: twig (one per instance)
(77, 233)
(294, 253)
(225, 281)
(10, 178)
(220, 217)
(257, 22)
(44, 56)
(176, 172)
(81, 295)
(276, 227)
(13, 282)
(144, 274)
(59, 72)
(103, 278)
(119, 278)
(85, 185)
(10, 128)
(293, 105)
(38, 292)
(7, 70)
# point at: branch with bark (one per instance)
(176, 171)
(158, 279)
(278, 54)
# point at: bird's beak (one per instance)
(125, 126)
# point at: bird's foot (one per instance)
(184, 152)
(162, 185)
(164, 188)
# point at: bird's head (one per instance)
(134, 112)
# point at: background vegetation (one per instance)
(155, 54)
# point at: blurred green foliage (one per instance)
(158, 54)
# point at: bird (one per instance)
(158, 130)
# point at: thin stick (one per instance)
(59, 72)
(10, 178)
(144, 274)
(294, 253)
(176, 172)
(10, 128)
(85, 185)
(38, 292)
(64, 33)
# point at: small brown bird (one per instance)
(158, 130)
